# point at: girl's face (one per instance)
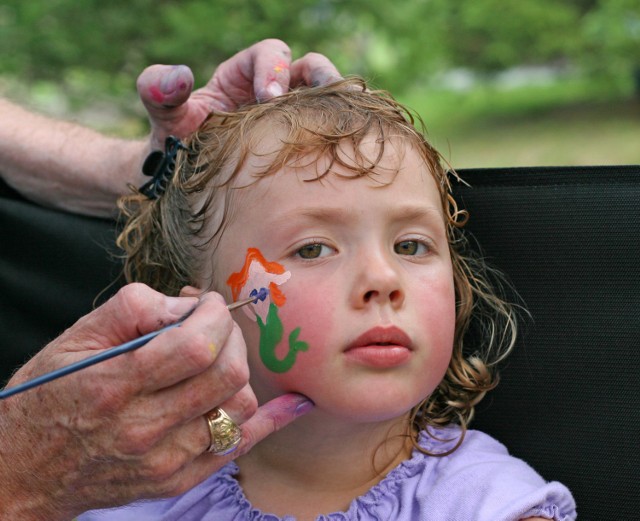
(369, 306)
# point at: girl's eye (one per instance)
(313, 251)
(411, 248)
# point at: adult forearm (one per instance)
(64, 165)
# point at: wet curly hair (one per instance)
(161, 238)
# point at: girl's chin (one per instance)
(357, 411)
(380, 402)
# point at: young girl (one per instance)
(333, 201)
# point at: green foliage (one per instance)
(40, 39)
(611, 36)
(93, 47)
(494, 34)
(393, 43)
(573, 122)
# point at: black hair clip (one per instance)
(160, 166)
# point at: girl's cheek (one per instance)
(438, 314)
(308, 336)
(313, 313)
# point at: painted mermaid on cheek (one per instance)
(258, 274)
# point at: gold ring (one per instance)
(225, 433)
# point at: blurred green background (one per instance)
(497, 82)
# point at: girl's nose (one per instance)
(378, 281)
(394, 296)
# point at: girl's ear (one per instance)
(190, 291)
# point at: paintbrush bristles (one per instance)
(258, 295)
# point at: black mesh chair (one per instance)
(566, 237)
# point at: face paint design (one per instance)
(256, 274)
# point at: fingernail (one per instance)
(180, 306)
(304, 407)
(175, 80)
(275, 89)
(321, 78)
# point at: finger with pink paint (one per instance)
(260, 72)
(264, 71)
(166, 92)
(165, 86)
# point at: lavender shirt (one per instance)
(478, 482)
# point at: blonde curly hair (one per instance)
(161, 237)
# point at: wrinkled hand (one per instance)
(260, 72)
(131, 427)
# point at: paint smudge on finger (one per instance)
(156, 94)
(281, 67)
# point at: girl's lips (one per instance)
(380, 347)
(390, 335)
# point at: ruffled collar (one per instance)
(385, 493)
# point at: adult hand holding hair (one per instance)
(67, 166)
(131, 427)
(260, 72)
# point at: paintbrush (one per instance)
(114, 351)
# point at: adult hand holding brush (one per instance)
(139, 425)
